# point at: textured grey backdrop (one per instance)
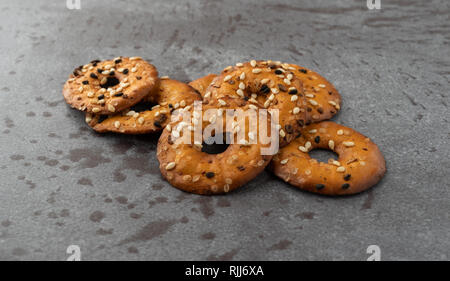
(63, 184)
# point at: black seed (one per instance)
(308, 122)
(95, 61)
(278, 72)
(125, 71)
(309, 109)
(94, 64)
(170, 105)
(365, 149)
(138, 77)
(345, 186)
(118, 94)
(303, 71)
(282, 87)
(99, 70)
(246, 98)
(293, 92)
(300, 122)
(101, 97)
(330, 93)
(102, 118)
(93, 75)
(264, 89)
(241, 168)
(210, 175)
(320, 186)
(111, 73)
(347, 177)
(157, 124)
(85, 82)
(317, 139)
(289, 129)
(320, 110)
(272, 66)
(118, 61)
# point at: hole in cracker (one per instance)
(322, 155)
(143, 106)
(111, 81)
(102, 118)
(212, 146)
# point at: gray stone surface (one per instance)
(63, 184)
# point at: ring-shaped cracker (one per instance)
(106, 87)
(188, 168)
(269, 86)
(360, 164)
(150, 115)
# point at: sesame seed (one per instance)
(170, 166)
(156, 106)
(313, 102)
(267, 103)
(164, 77)
(294, 98)
(103, 81)
(207, 95)
(260, 163)
(90, 94)
(287, 81)
(253, 63)
(307, 144)
(242, 86)
(175, 134)
(81, 89)
(228, 68)
(239, 64)
(331, 144)
(117, 124)
(284, 161)
(226, 188)
(275, 90)
(332, 103)
(135, 58)
(256, 70)
(296, 110)
(282, 133)
(336, 163)
(222, 102)
(302, 149)
(195, 178)
(134, 69)
(340, 132)
(242, 76)
(321, 85)
(309, 95)
(313, 131)
(111, 108)
(271, 97)
(289, 76)
(96, 109)
(307, 172)
(187, 178)
(228, 77)
(265, 81)
(183, 103)
(348, 143)
(253, 107)
(340, 169)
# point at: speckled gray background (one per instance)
(63, 184)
